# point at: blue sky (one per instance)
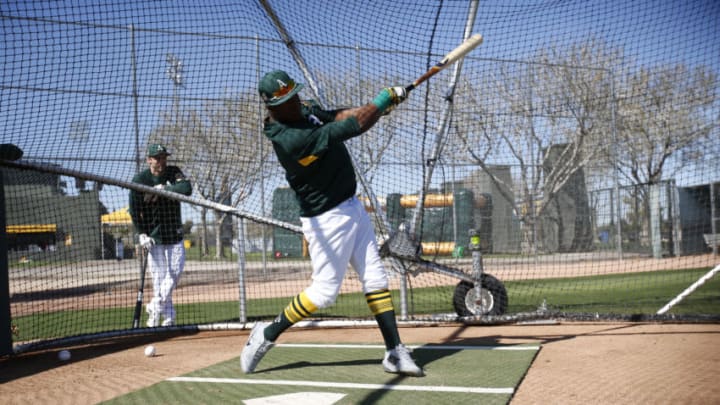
(67, 65)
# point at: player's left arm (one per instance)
(178, 182)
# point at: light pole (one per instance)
(174, 72)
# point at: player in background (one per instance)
(158, 223)
(309, 143)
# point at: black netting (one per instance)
(579, 142)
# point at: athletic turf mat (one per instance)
(470, 374)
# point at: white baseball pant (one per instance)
(166, 263)
(341, 236)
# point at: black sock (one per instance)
(298, 309)
(278, 326)
(380, 303)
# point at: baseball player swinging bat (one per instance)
(138, 304)
(452, 57)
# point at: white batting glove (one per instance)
(159, 186)
(398, 94)
(145, 241)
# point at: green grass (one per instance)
(639, 293)
(193, 253)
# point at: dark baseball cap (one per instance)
(156, 149)
(277, 87)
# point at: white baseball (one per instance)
(150, 351)
(64, 355)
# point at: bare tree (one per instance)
(221, 150)
(666, 117)
(662, 112)
(561, 102)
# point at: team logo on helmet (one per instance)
(283, 89)
(277, 87)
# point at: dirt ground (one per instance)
(579, 363)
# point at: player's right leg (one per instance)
(399, 361)
(367, 263)
(156, 268)
(175, 255)
(397, 357)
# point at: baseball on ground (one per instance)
(150, 351)
(64, 355)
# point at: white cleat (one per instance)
(255, 348)
(398, 361)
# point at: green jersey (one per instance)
(159, 217)
(317, 164)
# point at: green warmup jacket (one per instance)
(317, 164)
(159, 217)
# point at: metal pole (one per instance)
(358, 66)
(713, 218)
(294, 51)
(6, 337)
(261, 110)
(675, 220)
(442, 130)
(241, 268)
(211, 205)
(102, 241)
(477, 265)
(532, 211)
(655, 237)
(133, 68)
(670, 188)
(454, 211)
(616, 178)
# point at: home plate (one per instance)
(315, 398)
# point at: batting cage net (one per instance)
(567, 167)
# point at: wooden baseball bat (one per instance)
(452, 57)
(139, 302)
